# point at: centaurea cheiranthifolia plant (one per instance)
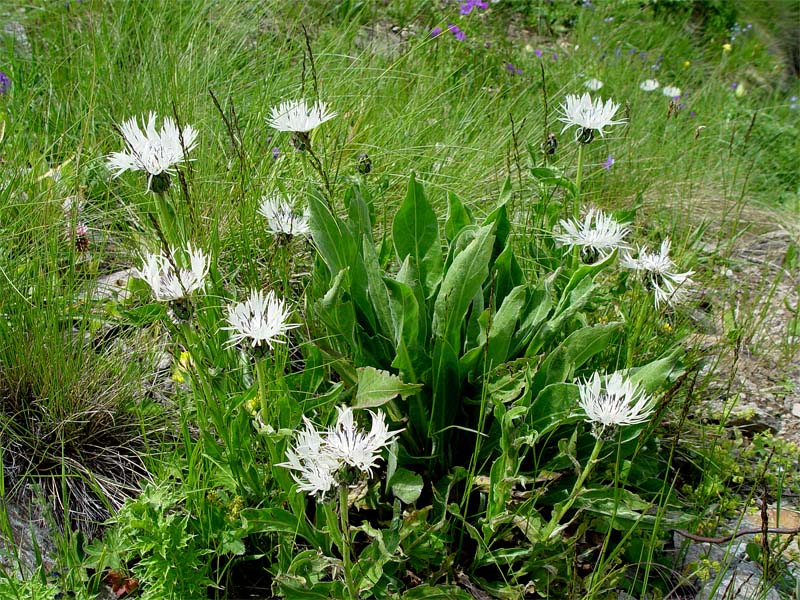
(607, 403)
(170, 280)
(322, 460)
(597, 235)
(299, 118)
(659, 274)
(152, 151)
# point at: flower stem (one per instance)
(579, 172)
(576, 490)
(347, 560)
(261, 377)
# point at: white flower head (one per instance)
(649, 85)
(281, 217)
(588, 116)
(298, 117)
(613, 402)
(261, 318)
(598, 235)
(593, 84)
(659, 273)
(152, 151)
(319, 457)
(166, 276)
(671, 91)
(356, 448)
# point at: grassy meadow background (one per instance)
(148, 450)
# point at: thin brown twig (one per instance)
(727, 538)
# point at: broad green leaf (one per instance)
(654, 375)
(549, 176)
(279, 520)
(462, 281)
(555, 405)
(415, 232)
(580, 346)
(503, 326)
(378, 294)
(507, 274)
(537, 306)
(377, 387)
(436, 592)
(406, 485)
(458, 217)
(336, 309)
(446, 400)
(331, 237)
(567, 308)
(358, 214)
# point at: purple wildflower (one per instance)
(734, 85)
(5, 83)
(459, 35)
(538, 52)
(276, 153)
(555, 56)
(692, 113)
(435, 32)
(609, 163)
(512, 69)
(469, 5)
(632, 51)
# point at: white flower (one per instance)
(598, 234)
(648, 85)
(317, 467)
(587, 115)
(671, 91)
(261, 318)
(298, 117)
(159, 271)
(355, 448)
(615, 402)
(319, 456)
(593, 84)
(658, 271)
(152, 151)
(281, 218)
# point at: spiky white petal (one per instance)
(152, 151)
(355, 448)
(658, 271)
(649, 85)
(614, 401)
(281, 217)
(298, 116)
(319, 456)
(261, 318)
(583, 113)
(671, 91)
(598, 233)
(593, 84)
(159, 271)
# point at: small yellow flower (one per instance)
(666, 328)
(740, 91)
(252, 405)
(727, 47)
(687, 64)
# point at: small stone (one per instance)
(796, 409)
(16, 31)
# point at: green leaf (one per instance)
(378, 294)
(377, 387)
(458, 217)
(463, 280)
(279, 520)
(331, 237)
(552, 177)
(358, 214)
(654, 375)
(553, 407)
(406, 485)
(561, 364)
(415, 232)
(446, 390)
(504, 325)
(437, 592)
